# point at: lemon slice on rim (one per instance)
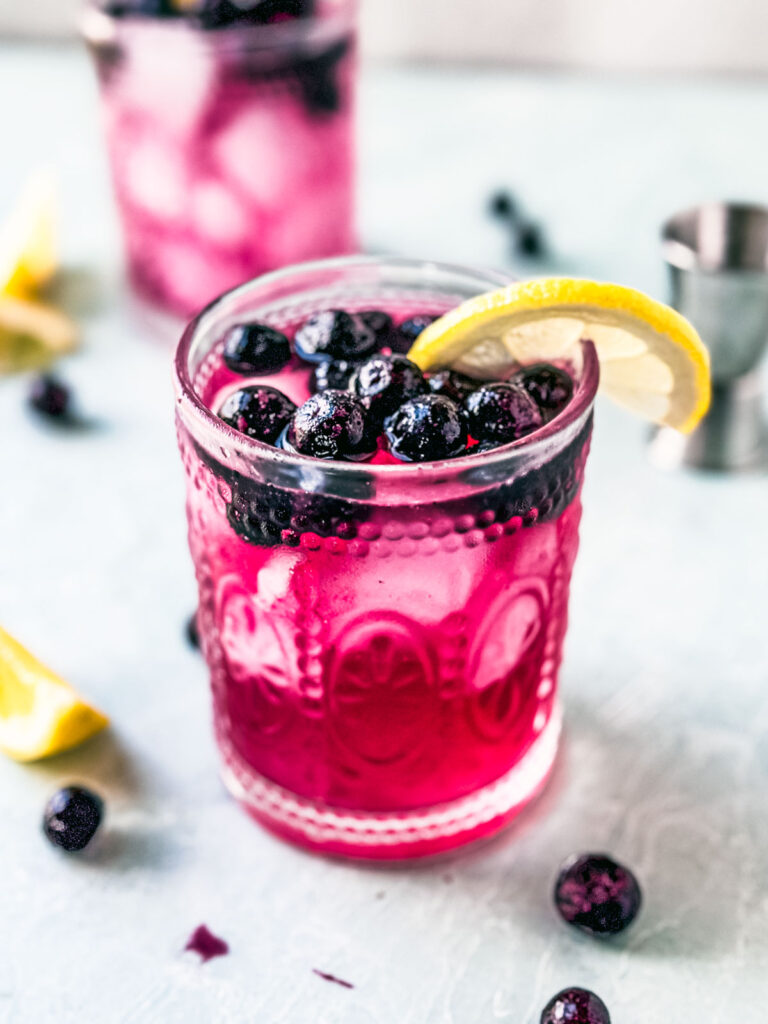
(652, 361)
(28, 247)
(40, 714)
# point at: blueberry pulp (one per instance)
(258, 411)
(334, 334)
(549, 387)
(452, 385)
(255, 348)
(384, 383)
(596, 894)
(331, 425)
(500, 413)
(72, 817)
(427, 428)
(575, 1006)
(50, 397)
(409, 330)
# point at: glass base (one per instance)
(393, 836)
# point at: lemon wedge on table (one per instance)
(40, 714)
(652, 361)
(28, 246)
(32, 334)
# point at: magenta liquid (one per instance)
(231, 150)
(384, 641)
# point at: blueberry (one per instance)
(409, 330)
(333, 373)
(331, 425)
(597, 895)
(530, 240)
(318, 81)
(193, 634)
(549, 387)
(427, 428)
(502, 204)
(575, 1006)
(384, 383)
(501, 413)
(256, 348)
(380, 323)
(334, 334)
(215, 14)
(72, 816)
(452, 385)
(258, 411)
(50, 397)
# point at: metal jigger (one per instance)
(717, 256)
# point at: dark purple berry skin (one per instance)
(409, 330)
(384, 383)
(427, 428)
(331, 425)
(575, 1006)
(193, 634)
(258, 411)
(49, 397)
(72, 817)
(452, 385)
(549, 387)
(530, 240)
(256, 348)
(332, 373)
(334, 334)
(501, 413)
(502, 204)
(597, 895)
(381, 324)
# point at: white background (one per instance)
(719, 35)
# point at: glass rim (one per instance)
(189, 403)
(98, 25)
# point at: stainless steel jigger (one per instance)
(717, 255)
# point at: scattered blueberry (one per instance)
(334, 334)
(258, 411)
(193, 635)
(256, 348)
(597, 895)
(426, 428)
(452, 385)
(530, 240)
(331, 425)
(549, 387)
(575, 1006)
(501, 413)
(384, 383)
(50, 397)
(502, 204)
(409, 330)
(207, 945)
(71, 818)
(331, 373)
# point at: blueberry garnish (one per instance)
(50, 397)
(380, 323)
(334, 334)
(409, 330)
(575, 1006)
(332, 373)
(258, 411)
(72, 816)
(549, 387)
(384, 383)
(501, 413)
(427, 428)
(256, 348)
(597, 895)
(452, 385)
(331, 425)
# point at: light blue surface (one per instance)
(666, 759)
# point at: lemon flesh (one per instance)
(652, 361)
(40, 714)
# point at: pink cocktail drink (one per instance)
(384, 638)
(230, 140)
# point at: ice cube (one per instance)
(193, 276)
(220, 216)
(154, 178)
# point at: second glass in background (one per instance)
(231, 148)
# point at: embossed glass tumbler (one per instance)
(384, 640)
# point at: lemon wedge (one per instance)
(32, 334)
(40, 714)
(652, 361)
(28, 248)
